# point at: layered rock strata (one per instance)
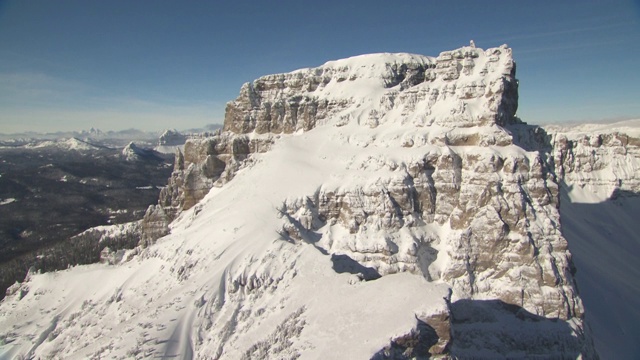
(205, 163)
(298, 101)
(607, 159)
(468, 206)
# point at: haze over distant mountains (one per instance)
(97, 134)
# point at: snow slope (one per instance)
(157, 302)
(7, 201)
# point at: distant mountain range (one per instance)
(18, 139)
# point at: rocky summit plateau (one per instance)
(384, 206)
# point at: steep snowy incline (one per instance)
(371, 207)
(224, 281)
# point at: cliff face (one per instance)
(466, 77)
(599, 169)
(205, 163)
(590, 162)
(463, 204)
(298, 101)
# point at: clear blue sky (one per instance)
(72, 65)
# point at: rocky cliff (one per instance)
(597, 167)
(465, 78)
(297, 101)
(205, 163)
(603, 161)
(600, 200)
(464, 206)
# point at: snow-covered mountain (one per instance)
(66, 144)
(133, 152)
(91, 136)
(169, 141)
(171, 138)
(384, 206)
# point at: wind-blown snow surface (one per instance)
(226, 283)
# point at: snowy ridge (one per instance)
(67, 144)
(629, 127)
(350, 204)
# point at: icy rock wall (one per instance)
(299, 100)
(476, 209)
(493, 217)
(610, 159)
(205, 163)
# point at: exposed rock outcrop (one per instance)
(205, 163)
(299, 100)
(470, 202)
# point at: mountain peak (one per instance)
(462, 88)
(133, 152)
